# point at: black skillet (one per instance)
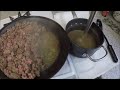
(55, 28)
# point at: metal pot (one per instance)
(80, 24)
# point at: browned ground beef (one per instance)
(18, 59)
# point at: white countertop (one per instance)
(84, 68)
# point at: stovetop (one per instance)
(75, 68)
(67, 71)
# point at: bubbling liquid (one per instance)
(83, 40)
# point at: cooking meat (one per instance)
(18, 58)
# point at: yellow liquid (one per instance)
(82, 39)
(47, 46)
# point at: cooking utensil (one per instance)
(80, 24)
(91, 17)
(56, 29)
(89, 23)
(109, 47)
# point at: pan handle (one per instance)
(96, 60)
(74, 14)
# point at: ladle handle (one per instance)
(90, 20)
(74, 14)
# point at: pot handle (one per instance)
(95, 60)
(99, 23)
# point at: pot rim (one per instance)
(86, 48)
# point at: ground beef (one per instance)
(18, 59)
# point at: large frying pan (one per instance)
(58, 31)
